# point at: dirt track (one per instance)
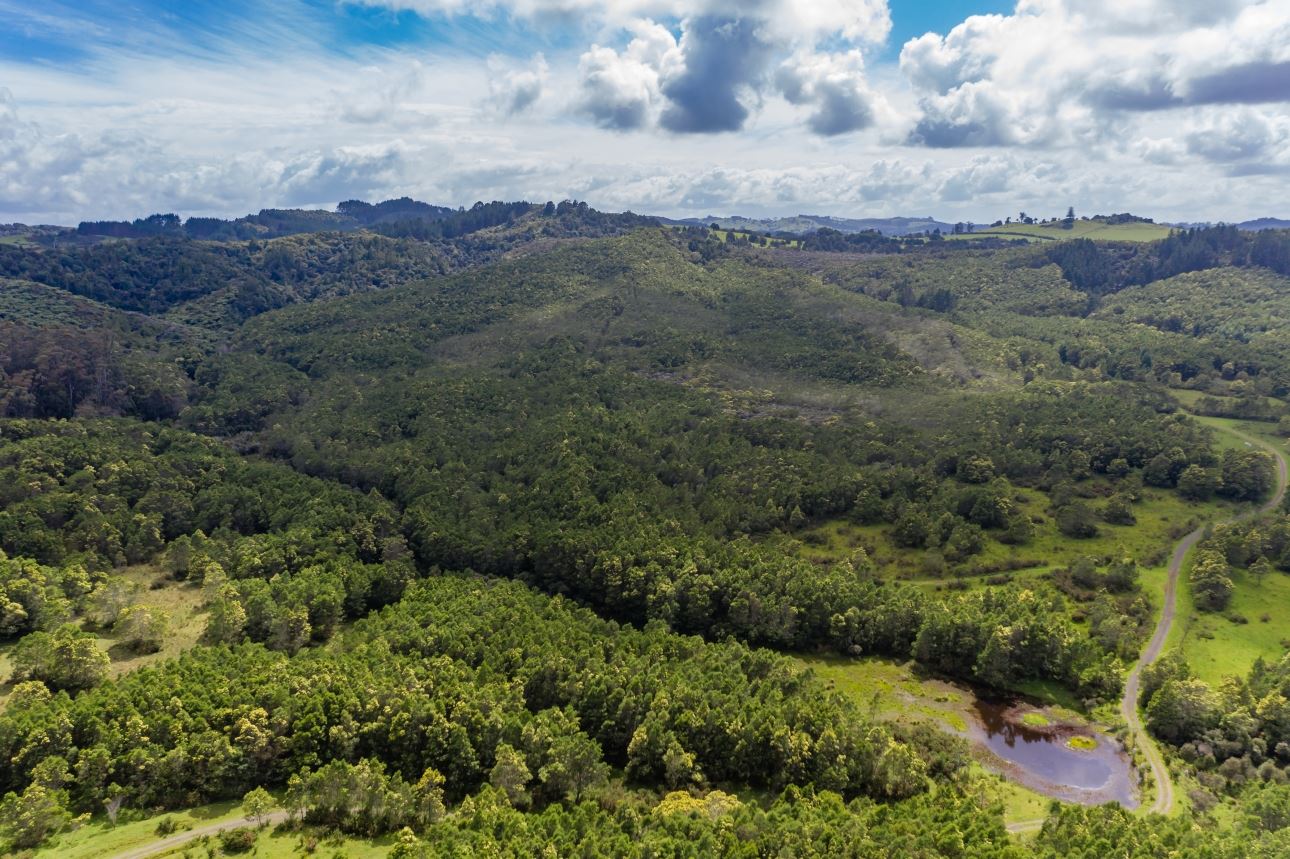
(1164, 801)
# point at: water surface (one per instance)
(1040, 758)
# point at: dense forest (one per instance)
(502, 530)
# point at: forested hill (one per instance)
(513, 536)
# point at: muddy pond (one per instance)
(1052, 756)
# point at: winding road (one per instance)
(1164, 801)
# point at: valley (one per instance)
(556, 516)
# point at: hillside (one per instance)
(1082, 229)
(534, 529)
(800, 224)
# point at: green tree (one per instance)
(142, 629)
(510, 775)
(1210, 583)
(256, 804)
(1182, 710)
(1119, 511)
(1077, 520)
(29, 818)
(1197, 483)
(64, 659)
(574, 764)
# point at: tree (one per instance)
(1068, 222)
(1119, 511)
(912, 528)
(1246, 475)
(1122, 575)
(66, 659)
(1197, 483)
(1210, 583)
(142, 628)
(1182, 710)
(226, 622)
(34, 815)
(574, 764)
(1157, 471)
(511, 775)
(110, 599)
(256, 804)
(1260, 569)
(291, 629)
(1077, 520)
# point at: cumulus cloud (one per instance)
(987, 174)
(710, 76)
(1242, 139)
(835, 86)
(1069, 71)
(722, 60)
(513, 90)
(621, 90)
(866, 21)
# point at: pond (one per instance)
(1051, 756)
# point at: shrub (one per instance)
(238, 840)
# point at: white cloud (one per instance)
(1074, 72)
(512, 89)
(620, 90)
(379, 93)
(835, 86)
(1243, 139)
(854, 20)
(1065, 102)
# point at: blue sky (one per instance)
(1176, 108)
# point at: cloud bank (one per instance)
(674, 106)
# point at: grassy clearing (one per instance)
(1216, 645)
(1257, 623)
(725, 235)
(1132, 232)
(893, 691)
(1035, 720)
(101, 838)
(1020, 804)
(898, 693)
(1083, 744)
(1189, 398)
(181, 602)
(1161, 517)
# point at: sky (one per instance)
(961, 109)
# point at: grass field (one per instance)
(100, 838)
(1132, 232)
(182, 602)
(893, 691)
(1215, 645)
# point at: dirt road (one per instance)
(1164, 801)
(179, 839)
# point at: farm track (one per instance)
(179, 839)
(1164, 799)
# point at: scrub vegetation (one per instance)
(535, 529)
